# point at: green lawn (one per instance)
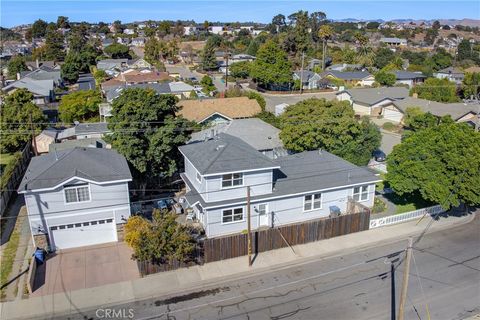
(407, 203)
(8, 258)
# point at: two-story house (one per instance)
(289, 189)
(76, 197)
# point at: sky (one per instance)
(15, 12)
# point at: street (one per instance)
(444, 277)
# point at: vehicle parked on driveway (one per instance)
(379, 156)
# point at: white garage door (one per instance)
(83, 234)
(392, 115)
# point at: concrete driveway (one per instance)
(85, 267)
(389, 140)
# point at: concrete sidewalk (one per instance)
(173, 282)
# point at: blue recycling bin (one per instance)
(39, 255)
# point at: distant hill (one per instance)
(463, 22)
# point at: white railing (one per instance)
(403, 217)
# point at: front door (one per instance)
(263, 215)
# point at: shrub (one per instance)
(378, 206)
(159, 241)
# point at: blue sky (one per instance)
(14, 12)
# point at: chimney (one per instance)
(18, 75)
(37, 63)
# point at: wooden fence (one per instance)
(9, 187)
(236, 245)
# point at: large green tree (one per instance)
(118, 51)
(471, 85)
(271, 66)
(440, 163)
(54, 49)
(441, 90)
(79, 106)
(16, 65)
(385, 78)
(208, 60)
(39, 28)
(147, 132)
(383, 57)
(330, 125)
(16, 114)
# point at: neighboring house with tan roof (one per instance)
(215, 111)
(144, 77)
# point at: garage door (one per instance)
(392, 115)
(83, 234)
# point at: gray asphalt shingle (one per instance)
(95, 164)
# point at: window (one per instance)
(312, 201)
(232, 215)
(77, 194)
(77, 225)
(109, 220)
(232, 180)
(199, 177)
(262, 209)
(53, 228)
(360, 193)
(86, 224)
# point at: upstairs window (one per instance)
(312, 202)
(360, 193)
(77, 194)
(232, 180)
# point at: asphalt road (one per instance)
(444, 275)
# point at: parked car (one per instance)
(164, 204)
(379, 155)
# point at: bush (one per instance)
(7, 171)
(389, 126)
(378, 206)
(159, 241)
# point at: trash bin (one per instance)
(39, 255)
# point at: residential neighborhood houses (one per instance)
(161, 146)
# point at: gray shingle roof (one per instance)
(224, 153)
(347, 75)
(257, 133)
(81, 143)
(456, 110)
(407, 75)
(370, 96)
(98, 165)
(37, 87)
(83, 129)
(303, 173)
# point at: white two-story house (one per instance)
(289, 189)
(76, 197)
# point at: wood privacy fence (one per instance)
(269, 239)
(14, 177)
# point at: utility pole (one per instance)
(301, 74)
(33, 137)
(249, 229)
(226, 70)
(406, 271)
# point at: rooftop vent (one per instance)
(220, 146)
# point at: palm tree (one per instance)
(325, 33)
(366, 55)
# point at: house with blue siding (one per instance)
(289, 189)
(76, 197)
